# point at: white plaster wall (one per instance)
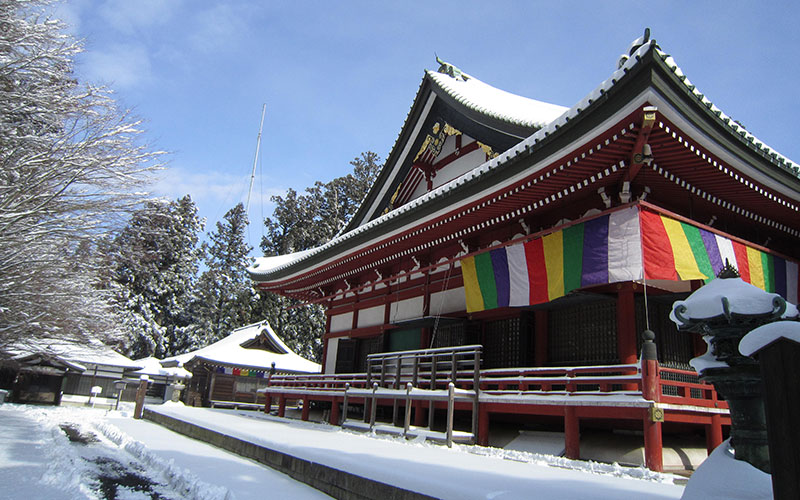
(448, 301)
(330, 358)
(371, 316)
(407, 309)
(342, 322)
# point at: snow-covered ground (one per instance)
(38, 460)
(66, 453)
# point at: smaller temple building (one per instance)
(230, 371)
(59, 372)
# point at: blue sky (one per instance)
(338, 77)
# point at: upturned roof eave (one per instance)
(759, 154)
(479, 112)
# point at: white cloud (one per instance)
(215, 193)
(219, 27)
(130, 16)
(119, 65)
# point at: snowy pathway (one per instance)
(464, 472)
(70, 453)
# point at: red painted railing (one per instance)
(680, 387)
(683, 387)
(606, 379)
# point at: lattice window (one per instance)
(583, 334)
(366, 347)
(346, 355)
(505, 343)
(675, 348)
(671, 390)
(456, 334)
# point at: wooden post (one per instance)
(345, 403)
(267, 402)
(396, 385)
(334, 418)
(138, 410)
(714, 432)
(419, 413)
(281, 405)
(779, 362)
(483, 425)
(374, 407)
(407, 420)
(451, 390)
(572, 433)
(540, 337)
(626, 324)
(653, 447)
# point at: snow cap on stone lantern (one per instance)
(724, 299)
(723, 312)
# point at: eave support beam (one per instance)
(641, 154)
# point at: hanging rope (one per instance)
(441, 303)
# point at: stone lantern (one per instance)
(723, 311)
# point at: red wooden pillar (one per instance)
(425, 338)
(306, 409)
(334, 418)
(325, 339)
(281, 405)
(653, 447)
(267, 402)
(714, 432)
(572, 433)
(420, 414)
(483, 425)
(540, 337)
(626, 323)
(651, 380)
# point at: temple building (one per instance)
(229, 372)
(552, 238)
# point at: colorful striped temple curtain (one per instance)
(624, 245)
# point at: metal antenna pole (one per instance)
(255, 160)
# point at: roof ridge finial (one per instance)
(449, 69)
(642, 40)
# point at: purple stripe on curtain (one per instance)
(710, 242)
(501, 281)
(595, 252)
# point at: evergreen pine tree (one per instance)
(225, 294)
(301, 222)
(154, 269)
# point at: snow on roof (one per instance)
(538, 136)
(266, 264)
(491, 101)
(742, 298)
(92, 352)
(763, 336)
(152, 367)
(229, 351)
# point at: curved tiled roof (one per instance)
(229, 350)
(499, 104)
(775, 158)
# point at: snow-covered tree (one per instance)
(303, 221)
(224, 292)
(71, 164)
(154, 264)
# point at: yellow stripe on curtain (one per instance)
(685, 263)
(756, 268)
(553, 245)
(472, 288)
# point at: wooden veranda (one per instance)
(415, 384)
